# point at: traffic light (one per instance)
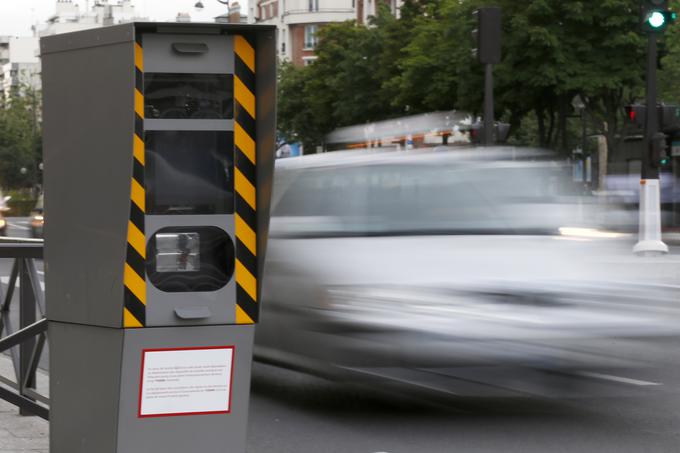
(656, 16)
(669, 117)
(636, 115)
(487, 35)
(658, 151)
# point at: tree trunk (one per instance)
(562, 124)
(541, 127)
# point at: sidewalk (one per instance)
(17, 433)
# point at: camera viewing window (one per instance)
(189, 172)
(188, 96)
(190, 259)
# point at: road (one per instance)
(295, 413)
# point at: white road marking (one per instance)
(624, 380)
(14, 225)
(40, 272)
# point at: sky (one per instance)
(17, 16)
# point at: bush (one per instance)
(21, 204)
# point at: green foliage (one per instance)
(344, 86)
(553, 51)
(669, 88)
(20, 142)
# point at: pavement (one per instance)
(20, 433)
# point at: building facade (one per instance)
(20, 56)
(68, 17)
(299, 21)
(19, 64)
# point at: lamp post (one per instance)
(580, 107)
(199, 4)
(199, 7)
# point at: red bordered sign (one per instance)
(186, 381)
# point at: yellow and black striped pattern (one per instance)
(134, 312)
(245, 184)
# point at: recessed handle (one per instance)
(193, 313)
(190, 48)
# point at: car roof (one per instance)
(377, 156)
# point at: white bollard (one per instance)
(650, 243)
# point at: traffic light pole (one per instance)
(650, 242)
(649, 170)
(488, 106)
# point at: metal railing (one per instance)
(26, 341)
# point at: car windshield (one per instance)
(433, 197)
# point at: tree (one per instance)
(669, 89)
(344, 86)
(553, 51)
(20, 139)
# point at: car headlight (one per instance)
(590, 233)
(3, 223)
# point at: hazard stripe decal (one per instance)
(245, 183)
(134, 276)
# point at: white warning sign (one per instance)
(186, 381)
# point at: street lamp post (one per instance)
(199, 4)
(580, 107)
(199, 7)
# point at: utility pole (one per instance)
(650, 171)
(655, 19)
(488, 39)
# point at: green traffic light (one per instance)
(656, 19)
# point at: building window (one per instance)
(310, 36)
(313, 5)
(275, 8)
(308, 61)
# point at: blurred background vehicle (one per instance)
(4, 208)
(38, 218)
(383, 264)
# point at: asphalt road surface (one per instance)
(295, 413)
(625, 410)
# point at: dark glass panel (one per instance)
(188, 96)
(189, 172)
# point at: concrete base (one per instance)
(650, 243)
(95, 391)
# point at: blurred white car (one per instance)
(403, 260)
